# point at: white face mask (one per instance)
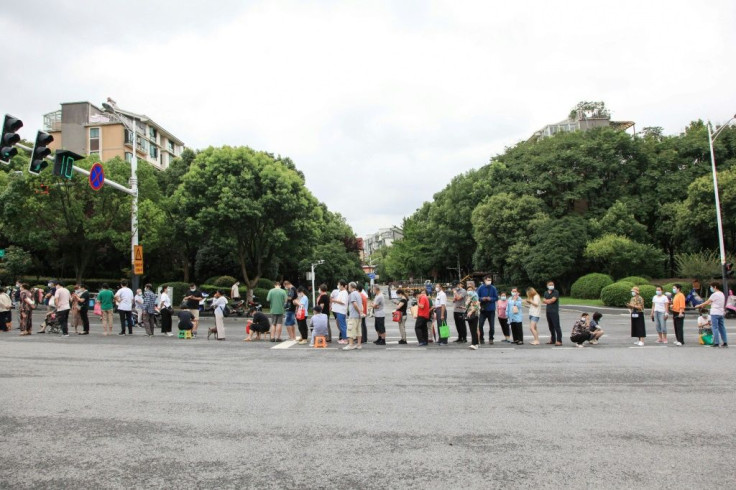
(503, 298)
(584, 319)
(705, 315)
(551, 288)
(488, 283)
(674, 290)
(633, 293)
(659, 293)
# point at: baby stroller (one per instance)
(50, 323)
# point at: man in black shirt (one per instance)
(192, 300)
(259, 325)
(82, 298)
(290, 307)
(185, 320)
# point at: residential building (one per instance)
(582, 120)
(85, 129)
(384, 237)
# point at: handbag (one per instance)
(397, 316)
(97, 309)
(301, 313)
(444, 331)
(415, 311)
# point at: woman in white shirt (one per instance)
(218, 304)
(164, 306)
(660, 313)
(534, 302)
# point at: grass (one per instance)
(565, 300)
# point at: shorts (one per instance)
(533, 318)
(195, 313)
(354, 330)
(290, 320)
(380, 324)
(277, 319)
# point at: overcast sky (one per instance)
(379, 103)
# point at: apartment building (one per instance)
(582, 120)
(384, 237)
(85, 129)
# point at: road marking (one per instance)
(284, 345)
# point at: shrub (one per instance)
(224, 281)
(210, 280)
(616, 294)
(647, 291)
(177, 291)
(264, 283)
(589, 286)
(211, 288)
(686, 287)
(260, 294)
(629, 284)
(635, 280)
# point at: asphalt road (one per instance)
(122, 412)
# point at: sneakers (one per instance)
(67, 335)
(169, 334)
(359, 346)
(579, 345)
(303, 342)
(640, 343)
(121, 333)
(349, 347)
(473, 347)
(678, 343)
(273, 340)
(594, 342)
(421, 344)
(715, 345)
(724, 345)
(403, 342)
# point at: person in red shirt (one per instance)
(423, 314)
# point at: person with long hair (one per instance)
(472, 309)
(302, 312)
(534, 302)
(164, 306)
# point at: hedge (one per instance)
(635, 280)
(225, 281)
(176, 291)
(616, 294)
(589, 286)
(264, 283)
(647, 291)
(261, 294)
(686, 287)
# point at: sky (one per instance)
(379, 103)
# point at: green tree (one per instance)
(620, 256)
(15, 263)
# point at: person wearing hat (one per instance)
(638, 325)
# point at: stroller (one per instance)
(50, 323)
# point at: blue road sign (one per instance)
(96, 177)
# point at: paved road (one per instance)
(121, 412)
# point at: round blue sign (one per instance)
(96, 177)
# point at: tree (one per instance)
(620, 256)
(15, 263)
(620, 220)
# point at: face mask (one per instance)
(551, 288)
(705, 315)
(488, 283)
(514, 294)
(712, 290)
(633, 293)
(503, 298)
(584, 319)
(192, 289)
(659, 293)
(674, 290)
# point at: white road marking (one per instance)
(284, 345)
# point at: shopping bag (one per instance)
(301, 313)
(706, 339)
(397, 316)
(415, 311)
(98, 309)
(444, 331)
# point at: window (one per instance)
(152, 132)
(94, 140)
(153, 152)
(171, 146)
(128, 137)
(128, 157)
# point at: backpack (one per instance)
(226, 311)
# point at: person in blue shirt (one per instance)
(514, 314)
(488, 296)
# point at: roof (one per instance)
(150, 121)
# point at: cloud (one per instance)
(379, 103)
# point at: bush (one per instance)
(264, 283)
(616, 294)
(210, 280)
(260, 294)
(629, 284)
(589, 286)
(686, 287)
(224, 281)
(647, 291)
(211, 288)
(635, 280)
(177, 291)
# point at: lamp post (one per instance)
(110, 108)
(319, 262)
(711, 138)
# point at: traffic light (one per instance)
(64, 163)
(9, 138)
(40, 152)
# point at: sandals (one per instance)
(534, 342)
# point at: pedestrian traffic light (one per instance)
(64, 163)
(9, 138)
(40, 152)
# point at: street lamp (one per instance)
(110, 109)
(711, 138)
(319, 262)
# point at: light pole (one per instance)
(319, 262)
(711, 138)
(110, 108)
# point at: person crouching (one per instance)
(581, 331)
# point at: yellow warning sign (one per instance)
(138, 260)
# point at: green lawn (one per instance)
(564, 300)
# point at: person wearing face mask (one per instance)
(514, 314)
(705, 332)
(440, 311)
(678, 313)
(488, 296)
(458, 312)
(551, 299)
(503, 318)
(472, 311)
(636, 308)
(717, 302)
(660, 313)
(581, 331)
(191, 302)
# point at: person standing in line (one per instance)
(105, 298)
(323, 300)
(440, 311)
(291, 305)
(25, 309)
(379, 314)
(76, 319)
(276, 299)
(124, 297)
(401, 308)
(660, 313)
(472, 312)
(164, 307)
(302, 310)
(339, 307)
(638, 326)
(423, 314)
(552, 300)
(488, 296)
(138, 304)
(515, 315)
(62, 296)
(458, 313)
(503, 318)
(717, 303)
(81, 297)
(148, 310)
(192, 304)
(235, 291)
(363, 326)
(678, 314)
(355, 313)
(534, 302)
(218, 305)
(6, 305)
(333, 297)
